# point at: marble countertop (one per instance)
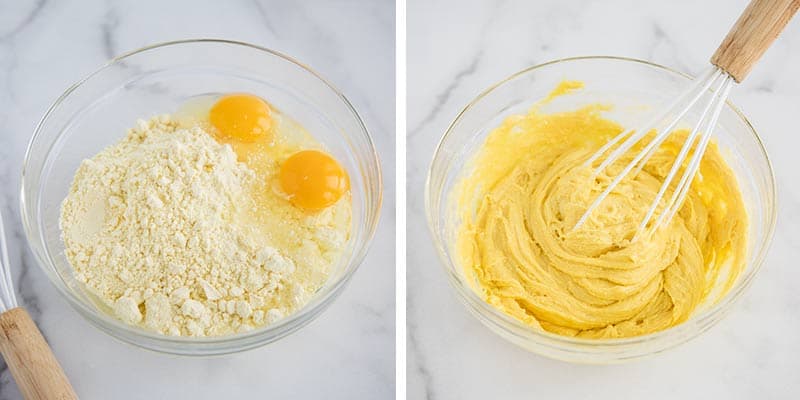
(348, 352)
(455, 50)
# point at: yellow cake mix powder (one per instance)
(174, 234)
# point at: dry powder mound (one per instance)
(151, 226)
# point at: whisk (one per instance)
(754, 31)
(29, 358)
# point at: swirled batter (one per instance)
(528, 187)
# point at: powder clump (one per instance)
(156, 227)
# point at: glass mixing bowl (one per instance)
(97, 111)
(635, 88)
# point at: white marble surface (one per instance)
(346, 353)
(455, 50)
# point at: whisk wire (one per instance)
(652, 151)
(634, 135)
(683, 186)
(690, 139)
(7, 300)
(715, 80)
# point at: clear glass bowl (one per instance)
(635, 88)
(97, 111)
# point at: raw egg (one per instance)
(242, 117)
(313, 179)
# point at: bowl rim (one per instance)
(207, 344)
(687, 329)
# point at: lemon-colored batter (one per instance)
(527, 188)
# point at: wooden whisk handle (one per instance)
(35, 369)
(753, 33)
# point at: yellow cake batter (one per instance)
(527, 188)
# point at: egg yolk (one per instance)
(313, 180)
(242, 117)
